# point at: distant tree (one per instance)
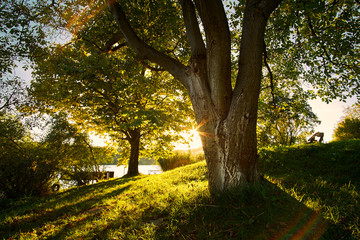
(138, 107)
(286, 123)
(284, 116)
(30, 168)
(78, 159)
(26, 167)
(349, 126)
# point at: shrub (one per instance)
(180, 158)
(27, 169)
(349, 128)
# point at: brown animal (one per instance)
(313, 137)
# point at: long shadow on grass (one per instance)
(260, 212)
(336, 162)
(327, 175)
(75, 201)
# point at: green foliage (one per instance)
(284, 120)
(112, 93)
(313, 42)
(30, 168)
(26, 168)
(21, 34)
(21, 37)
(306, 198)
(79, 161)
(317, 41)
(349, 128)
(179, 159)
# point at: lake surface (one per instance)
(114, 171)
(121, 170)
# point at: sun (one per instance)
(193, 140)
(194, 132)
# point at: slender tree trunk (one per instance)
(133, 168)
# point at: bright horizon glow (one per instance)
(192, 137)
(99, 140)
(329, 114)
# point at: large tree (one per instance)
(114, 94)
(227, 114)
(316, 40)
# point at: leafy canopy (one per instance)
(111, 93)
(349, 126)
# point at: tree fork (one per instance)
(227, 118)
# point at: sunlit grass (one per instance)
(299, 200)
(179, 159)
(122, 207)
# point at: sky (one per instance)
(329, 115)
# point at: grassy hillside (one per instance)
(310, 192)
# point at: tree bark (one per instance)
(226, 117)
(133, 166)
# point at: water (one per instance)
(115, 171)
(121, 170)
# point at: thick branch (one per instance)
(192, 28)
(143, 50)
(218, 46)
(126, 133)
(268, 6)
(114, 39)
(251, 53)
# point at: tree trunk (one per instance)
(133, 169)
(226, 116)
(230, 144)
(229, 138)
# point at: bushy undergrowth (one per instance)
(30, 168)
(300, 200)
(27, 170)
(179, 159)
